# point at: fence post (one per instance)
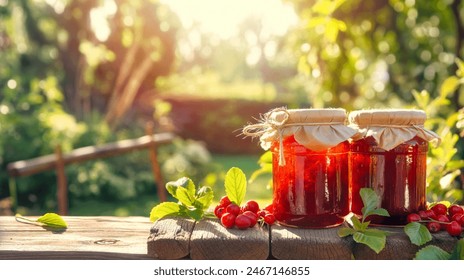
(62, 191)
(161, 190)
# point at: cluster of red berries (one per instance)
(439, 217)
(243, 217)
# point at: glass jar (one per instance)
(389, 155)
(311, 189)
(310, 165)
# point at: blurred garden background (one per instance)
(78, 73)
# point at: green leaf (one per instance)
(53, 220)
(326, 7)
(432, 252)
(184, 196)
(373, 238)
(165, 209)
(235, 185)
(356, 223)
(182, 189)
(448, 86)
(458, 252)
(345, 231)
(183, 182)
(371, 201)
(195, 213)
(380, 212)
(417, 233)
(204, 197)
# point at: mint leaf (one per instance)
(380, 212)
(165, 209)
(432, 252)
(235, 185)
(373, 238)
(53, 220)
(458, 252)
(417, 233)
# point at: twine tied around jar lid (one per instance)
(315, 129)
(391, 127)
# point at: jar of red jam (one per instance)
(310, 165)
(389, 155)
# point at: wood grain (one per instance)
(211, 241)
(85, 238)
(169, 238)
(309, 244)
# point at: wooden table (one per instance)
(178, 238)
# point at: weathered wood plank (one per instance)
(399, 247)
(169, 238)
(305, 244)
(211, 241)
(48, 162)
(85, 238)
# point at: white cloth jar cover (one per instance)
(391, 127)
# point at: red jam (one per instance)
(311, 189)
(398, 176)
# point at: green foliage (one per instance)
(361, 232)
(235, 185)
(417, 233)
(443, 162)
(192, 202)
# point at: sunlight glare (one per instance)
(222, 17)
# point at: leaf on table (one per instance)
(53, 220)
(417, 233)
(345, 231)
(458, 252)
(432, 252)
(165, 209)
(373, 238)
(235, 185)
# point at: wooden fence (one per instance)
(59, 160)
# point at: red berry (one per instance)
(233, 209)
(433, 227)
(413, 217)
(251, 205)
(423, 215)
(225, 201)
(252, 216)
(242, 221)
(444, 221)
(455, 209)
(458, 217)
(269, 219)
(439, 209)
(454, 229)
(430, 214)
(228, 220)
(219, 211)
(262, 213)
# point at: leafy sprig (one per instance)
(50, 221)
(192, 202)
(360, 230)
